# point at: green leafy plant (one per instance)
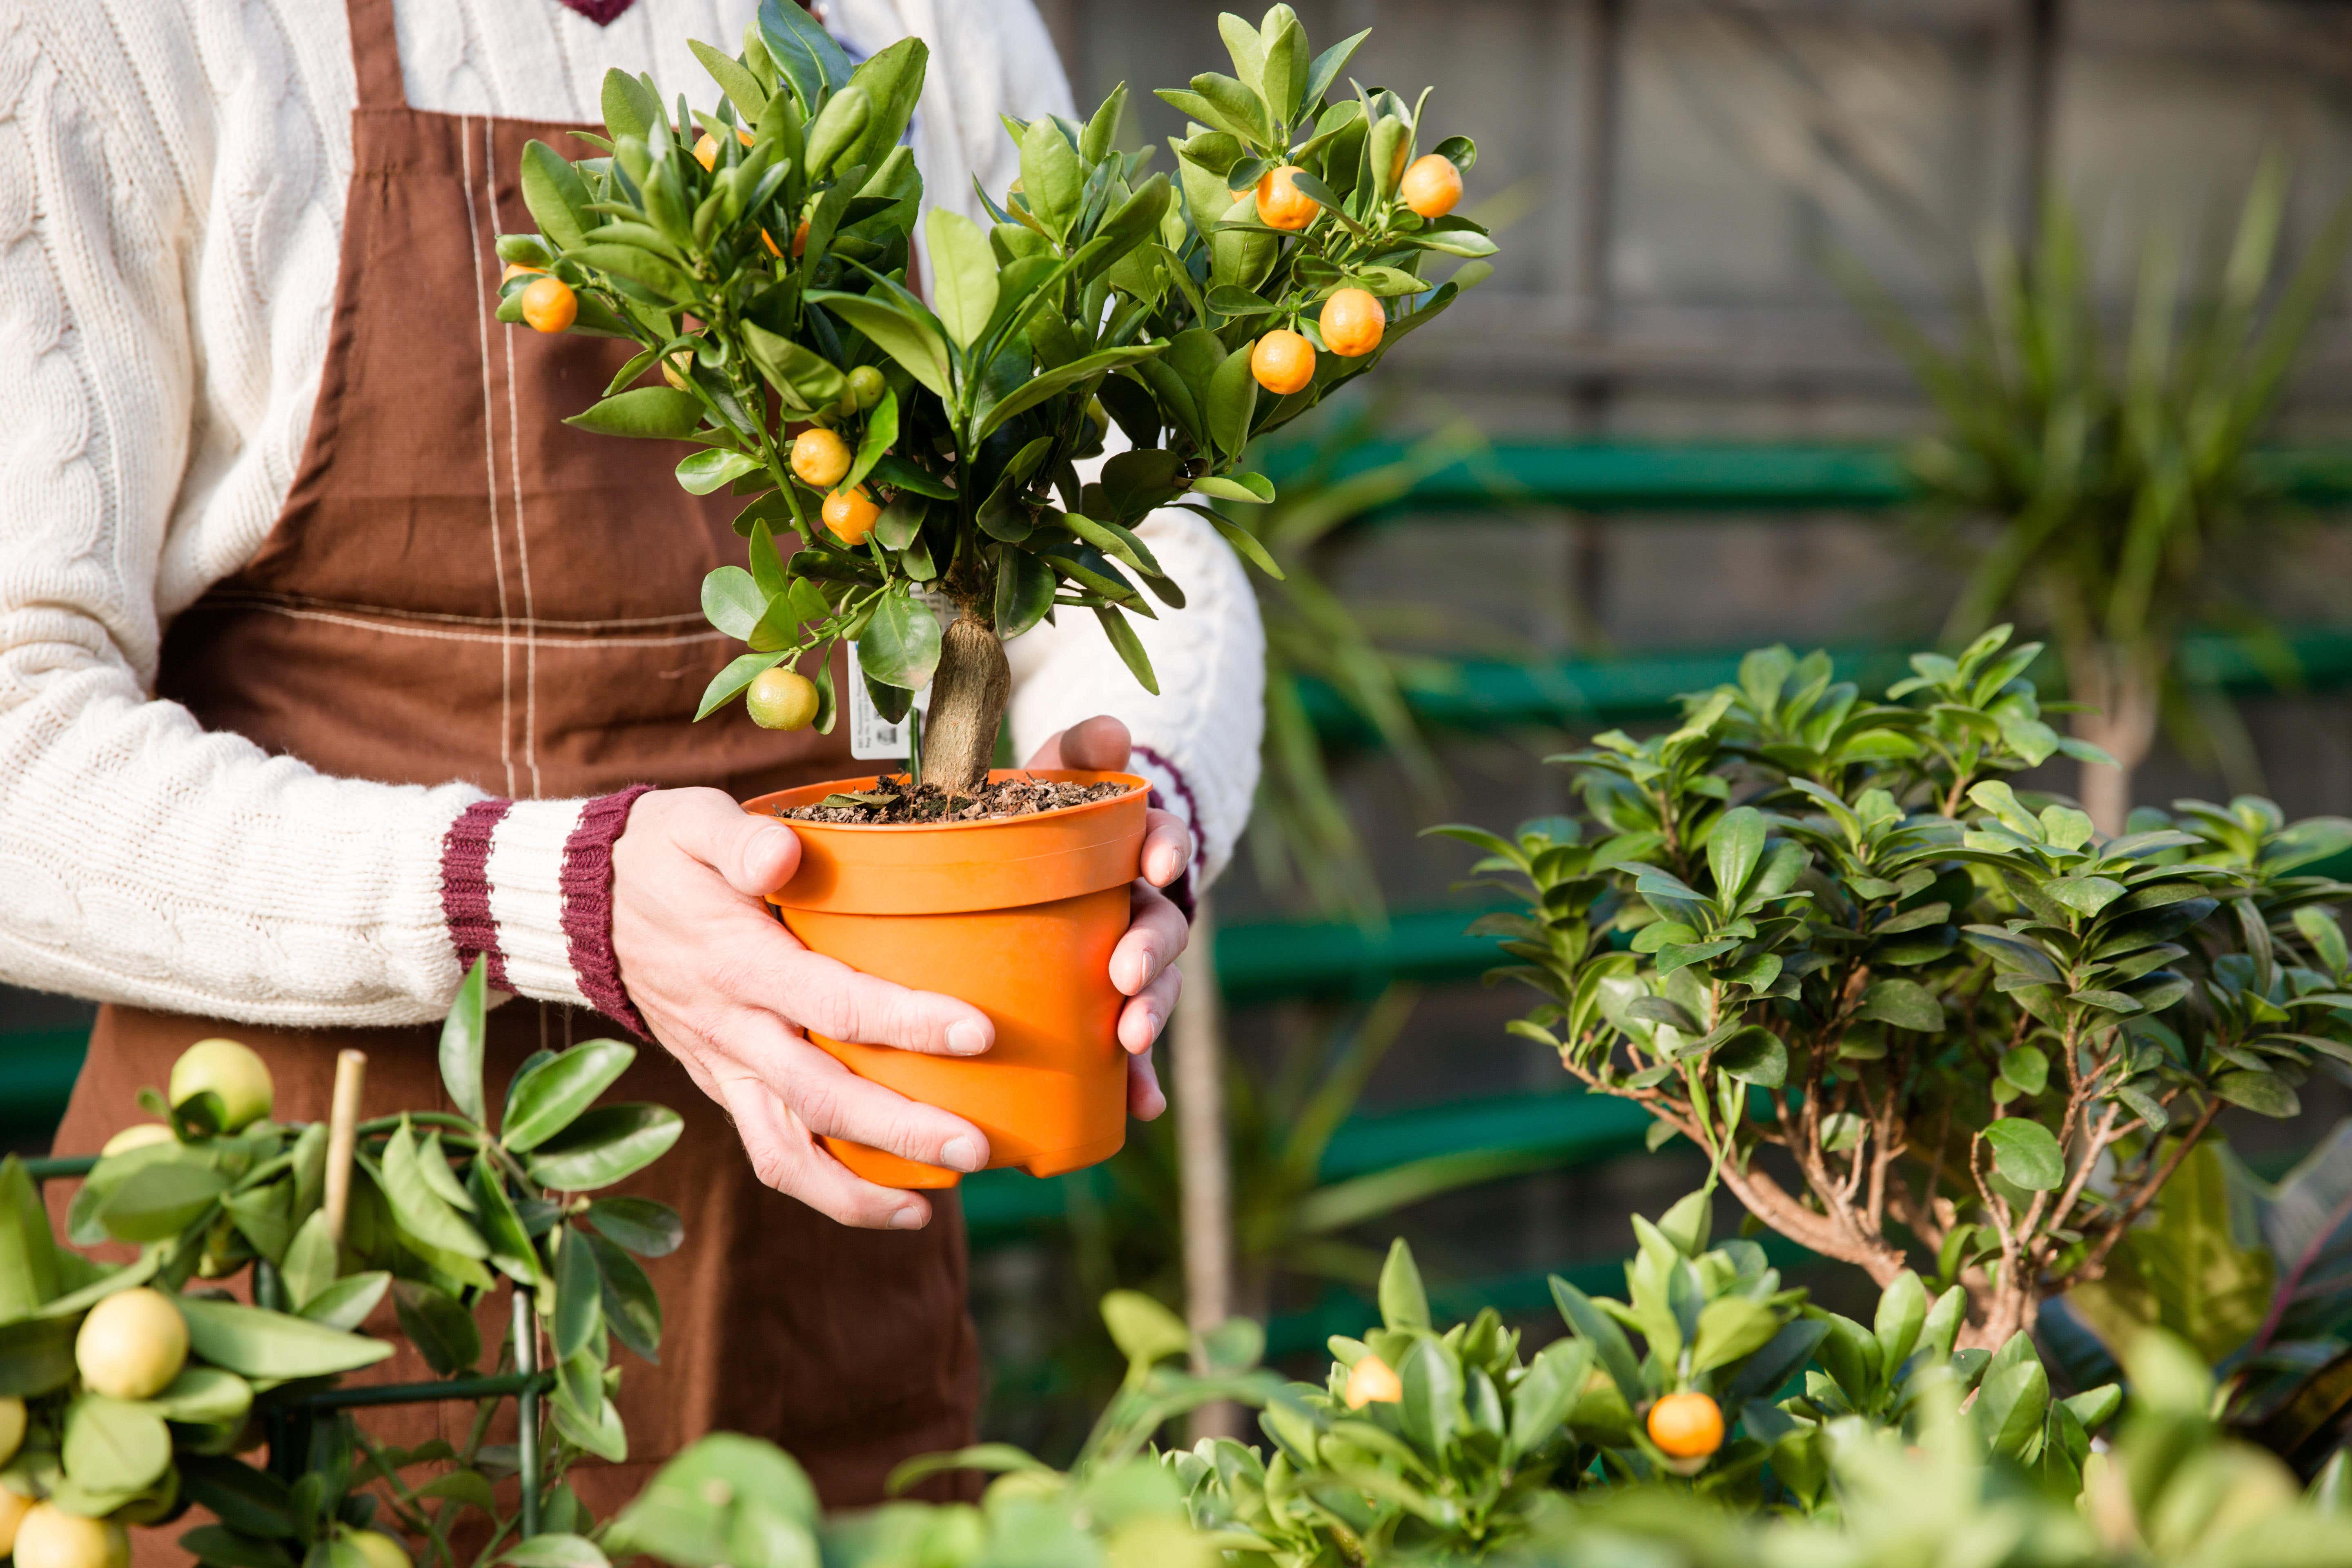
(1100, 294)
(441, 1209)
(2123, 485)
(1809, 922)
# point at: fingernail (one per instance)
(966, 1038)
(908, 1218)
(959, 1154)
(1152, 1023)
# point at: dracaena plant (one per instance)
(945, 432)
(1806, 922)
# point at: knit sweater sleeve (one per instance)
(145, 860)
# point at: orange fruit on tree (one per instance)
(1372, 1380)
(1352, 322)
(517, 269)
(1687, 1425)
(705, 152)
(550, 305)
(800, 238)
(1283, 361)
(13, 1509)
(1281, 204)
(781, 699)
(820, 458)
(850, 515)
(1432, 186)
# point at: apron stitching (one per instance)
(508, 639)
(256, 599)
(490, 463)
(522, 538)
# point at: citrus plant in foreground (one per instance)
(129, 1392)
(1809, 921)
(938, 437)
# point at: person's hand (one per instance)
(730, 991)
(1141, 966)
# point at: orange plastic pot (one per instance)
(1016, 916)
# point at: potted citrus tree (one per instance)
(897, 452)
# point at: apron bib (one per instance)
(459, 586)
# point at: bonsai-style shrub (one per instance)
(1821, 936)
(127, 1393)
(938, 440)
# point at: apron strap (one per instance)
(375, 54)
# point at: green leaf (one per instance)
(1902, 1313)
(556, 1552)
(742, 88)
(546, 1099)
(881, 433)
(203, 1396)
(311, 1263)
(2190, 1272)
(898, 332)
(602, 1435)
(1255, 489)
(29, 1252)
(713, 467)
(1144, 1331)
(1754, 1054)
(257, 1344)
(2027, 1153)
(1130, 646)
(900, 644)
(556, 196)
(158, 1201)
(1052, 177)
(1246, 546)
(606, 1145)
(2083, 895)
(346, 1303)
(2263, 1093)
(37, 1355)
(1906, 1004)
(808, 377)
(461, 1042)
(631, 1310)
(419, 1211)
(113, 1446)
(1232, 402)
(441, 1329)
(1024, 590)
(659, 412)
(1430, 1410)
(731, 681)
(578, 1309)
(963, 286)
(434, 1164)
(1404, 1303)
(647, 1228)
(1733, 849)
(1729, 1328)
(1052, 382)
(511, 1252)
(1608, 1341)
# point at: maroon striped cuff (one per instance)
(587, 883)
(465, 888)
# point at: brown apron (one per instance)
(462, 587)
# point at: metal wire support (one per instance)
(526, 1342)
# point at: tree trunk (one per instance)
(1204, 1175)
(969, 691)
(2121, 684)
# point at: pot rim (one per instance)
(1137, 785)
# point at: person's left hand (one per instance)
(1140, 967)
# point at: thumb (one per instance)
(757, 855)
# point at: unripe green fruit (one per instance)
(132, 1345)
(781, 699)
(229, 1069)
(138, 1135)
(868, 384)
(379, 1550)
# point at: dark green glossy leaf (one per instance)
(608, 1143)
(547, 1097)
(461, 1042)
(440, 1327)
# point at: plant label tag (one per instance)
(873, 738)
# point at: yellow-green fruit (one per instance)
(50, 1537)
(781, 699)
(11, 1433)
(867, 385)
(138, 1135)
(379, 1550)
(231, 1070)
(131, 1345)
(13, 1509)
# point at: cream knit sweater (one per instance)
(172, 176)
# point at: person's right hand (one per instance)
(729, 991)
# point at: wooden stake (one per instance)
(1197, 1042)
(343, 1137)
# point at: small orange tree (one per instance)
(942, 436)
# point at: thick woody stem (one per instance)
(969, 691)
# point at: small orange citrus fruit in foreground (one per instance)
(550, 305)
(1372, 1381)
(517, 269)
(13, 1509)
(1281, 204)
(1283, 361)
(781, 699)
(1353, 323)
(820, 458)
(705, 152)
(1688, 1426)
(800, 238)
(850, 515)
(1432, 185)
